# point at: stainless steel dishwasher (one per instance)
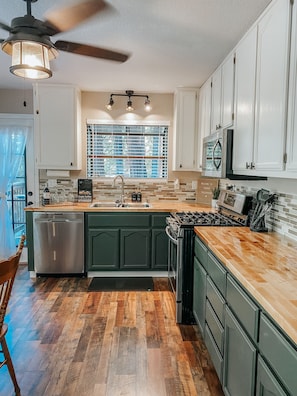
(58, 243)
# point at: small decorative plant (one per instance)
(215, 193)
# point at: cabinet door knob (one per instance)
(180, 165)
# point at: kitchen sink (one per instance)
(129, 205)
(104, 205)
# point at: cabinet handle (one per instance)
(180, 165)
(247, 165)
(71, 163)
(252, 165)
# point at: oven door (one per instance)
(175, 273)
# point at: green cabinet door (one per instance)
(239, 359)
(159, 249)
(267, 385)
(29, 240)
(135, 249)
(103, 249)
(199, 294)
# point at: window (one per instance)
(135, 151)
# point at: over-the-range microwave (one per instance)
(217, 157)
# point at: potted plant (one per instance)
(215, 196)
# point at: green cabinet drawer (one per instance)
(217, 273)
(199, 294)
(200, 251)
(215, 298)
(118, 220)
(215, 327)
(246, 311)
(266, 381)
(215, 355)
(159, 220)
(280, 354)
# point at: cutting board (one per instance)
(204, 190)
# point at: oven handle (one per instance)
(169, 236)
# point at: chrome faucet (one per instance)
(122, 201)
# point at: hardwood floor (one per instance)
(65, 341)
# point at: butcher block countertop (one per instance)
(156, 206)
(265, 264)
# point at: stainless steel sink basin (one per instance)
(135, 205)
(103, 205)
(128, 205)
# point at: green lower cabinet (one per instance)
(159, 250)
(240, 356)
(135, 249)
(267, 385)
(199, 294)
(29, 240)
(103, 249)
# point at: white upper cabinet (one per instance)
(204, 118)
(244, 98)
(261, 94)
(216, 99)
(271, 87)
(57, 126)
(222, 95)
(185, 129)
(291, 166)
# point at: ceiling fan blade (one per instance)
(5, 27)
(88, 50)
(66, 18)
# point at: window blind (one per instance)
(135, 151)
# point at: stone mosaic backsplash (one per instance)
(66, 190)
(281, 219)
(283, 216)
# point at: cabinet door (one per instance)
(159, 249)
(204, 118)
(216, 97)
(185, 129)
(57, 127)
(227, 92)
(199, 294)
(135, 249)
(271, 87)
(292, 105)
(244, 107)
(239, 359)
(103, 249)
(267, 385)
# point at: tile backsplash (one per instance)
(281, 219)
(66, 190)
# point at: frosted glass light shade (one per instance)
(31, 60)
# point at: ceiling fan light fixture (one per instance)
(30, 59)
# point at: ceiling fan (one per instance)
(30, 44)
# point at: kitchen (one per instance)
(181, 183)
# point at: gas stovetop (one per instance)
(184, 219)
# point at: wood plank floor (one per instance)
(65, 341)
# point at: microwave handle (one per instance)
(217, 143)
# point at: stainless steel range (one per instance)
(233, 210)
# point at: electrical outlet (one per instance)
(194, 185)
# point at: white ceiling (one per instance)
(172, 43)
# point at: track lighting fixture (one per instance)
(129, 93)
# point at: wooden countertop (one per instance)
(265, 264)
(157, 206)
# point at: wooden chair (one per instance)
(8, 269)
